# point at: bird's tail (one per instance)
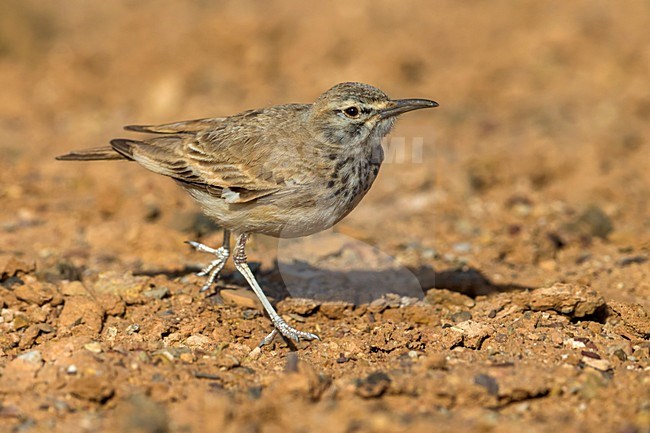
(119, 149)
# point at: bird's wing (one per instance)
(186, 126)
(210, 159)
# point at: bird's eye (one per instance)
(351, 111)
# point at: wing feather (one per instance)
(196, 156)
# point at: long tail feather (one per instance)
(95, 154)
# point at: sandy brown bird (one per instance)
(285, 171)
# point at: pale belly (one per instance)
(288, 215)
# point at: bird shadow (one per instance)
(304, 280)
(360, 286)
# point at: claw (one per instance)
(213, 269)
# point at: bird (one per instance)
(285, 171)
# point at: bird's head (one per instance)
(349, 113)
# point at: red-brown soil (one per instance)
(499, 283)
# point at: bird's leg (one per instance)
(214, 267)
(239, 257)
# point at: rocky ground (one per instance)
(496, 277)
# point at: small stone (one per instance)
(71, 370)
(11, 266)
(20, 322)
(186, 357)
(300, 306)
(436, 361)
(227, 361)
(83, 313)
(94, 388)
(461, 316)
(198, 341)
(569, 299)
(255, 353)
(111, 333)
(473, 333)
(6, 315)
(112, 304)
(35, 293)
(374, 385)
(575, 344)
(447, 297)
(634, 316)
(598, 364)
(488, 382)
(335, 309)
(73, 288)
(32, 357)
(142, 414)
(620, 354)
(93, 347)
(462, 247)
(157, 293)
(451, 338)
(29, 337)
(251, 314)
(241, 297)
(594, 221)
(10, 411)
(18, 374)
(183, 299)
(133, 328)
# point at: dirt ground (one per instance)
(495, 279)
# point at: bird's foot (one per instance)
(213, 269)
(288, 332)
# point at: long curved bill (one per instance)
(400, 106)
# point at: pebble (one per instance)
(569, 299)
(488, 382)
(462, 247)
(186, 357)
(32, 357)
(157, 293)
(436, 361)
(112, 304)
(35, 293)
(82, 312)
(20, 322)
(448, 297)
(473, 333)
(241, 297)
(255, 353)
(133, 328)
(336, 309)
(73, 288)
(11, 266)
(198, 341)
(634, 316)
(300, 306)
(93, 347)
(372, 386)
(140, 413)
(595, 222)
(94, 388)
(461, 316)
(227, 361)
(598, 364)
(111, 333)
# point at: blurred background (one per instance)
(543, 127)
